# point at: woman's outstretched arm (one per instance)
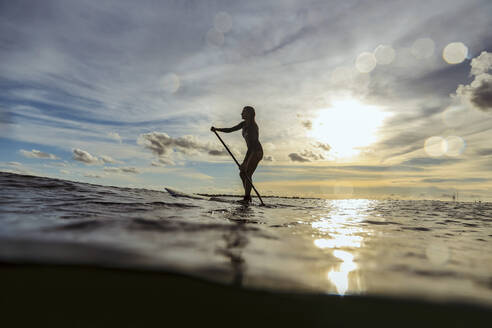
(227, 130)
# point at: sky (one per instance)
(354, 99)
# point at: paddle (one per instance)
(235, 160)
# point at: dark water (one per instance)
(424, 249)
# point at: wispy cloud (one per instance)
(37, 154)
(90, 159)
(459, 180)
(131, 170)
(163, 146)
(14, 164)
(115, 136)
(295, 157)
(92, 175)
(85, 157)
(484, 151)
(109, 160)
(430, 161)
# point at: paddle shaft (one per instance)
(235, 160)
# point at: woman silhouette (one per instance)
(255, 151)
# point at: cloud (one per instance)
(217, 152)
(428, 161)
(131, 170)
(324, 146)
(268, 158)
(85, 157)
(295, 157)
(310, 154)
(115, 136)
(162, 145)
(462, 180)
(37, 154)
(479, 92)
(484, 152)
(92, 175)
(308, 124)
(482, 95)
(163, 161)
(379, 168)
(481, 64)
(109, 160)
(14, 164)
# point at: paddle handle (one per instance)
(235, 160)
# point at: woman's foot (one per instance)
(246, 200)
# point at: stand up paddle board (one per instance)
(181, 194)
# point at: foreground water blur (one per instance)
(411, 249)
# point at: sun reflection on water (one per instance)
(342, 232)
(340, 278)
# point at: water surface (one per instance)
(419, 249)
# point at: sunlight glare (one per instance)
(340, 278)
(347, 126)
(339, 241)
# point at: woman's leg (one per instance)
(250, 168)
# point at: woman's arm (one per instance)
(227, 130)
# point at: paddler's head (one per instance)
(248, 113)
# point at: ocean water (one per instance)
(429, 250)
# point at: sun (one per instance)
(347, 126)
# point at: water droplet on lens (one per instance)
(437, 253)
(435, 146)
(455, 53)
(423, 48)
(384, 54)
(365, 62)
(223, 22)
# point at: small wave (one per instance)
(86, 225)
(381, 222)
(169, 226)
(136, 205)
(416, 228)
(284, 225)
(438, 273)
